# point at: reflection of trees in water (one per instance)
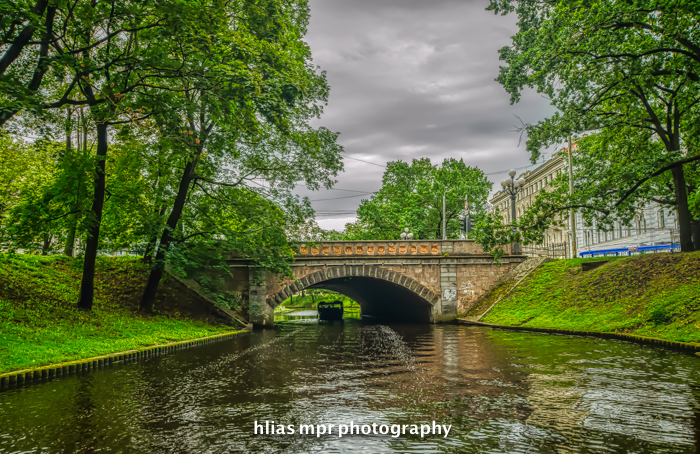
(85, 415)
(696, 416)
(501, 391)
(606, 400)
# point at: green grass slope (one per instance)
(40, 325)
(656, 295)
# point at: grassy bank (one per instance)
(648, 295)
(40, 325)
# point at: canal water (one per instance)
(501, 392)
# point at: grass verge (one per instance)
(654, 295)
(40, 325)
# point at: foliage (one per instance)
(411, 197)
(195, 129)
(54, 186)
(629, 70)
(312, 297)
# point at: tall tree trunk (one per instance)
(695, 229)
(149, 293)
(85, 129)
(46, 245)
(684, 217)
(151, 246)
(72, 220)
(22, 39)
(87, 286)
(70, 236)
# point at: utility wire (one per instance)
(362, 160)
(340, 189)
(338, 198)
(497, 172)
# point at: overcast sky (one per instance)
(410, 79)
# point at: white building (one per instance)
(653, 224)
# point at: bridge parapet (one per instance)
(357, 249)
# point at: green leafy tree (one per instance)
(412, 197)
(101, 57)
(243, 125)
(618, 66)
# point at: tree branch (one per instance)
(656, 174)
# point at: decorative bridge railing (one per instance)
(435, 248)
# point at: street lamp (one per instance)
(444, 214)
(513, 187)
(405, 235)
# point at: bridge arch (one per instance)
(379, 291)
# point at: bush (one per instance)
(659, 315)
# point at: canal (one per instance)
(501, 392)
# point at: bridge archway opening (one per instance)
(382, 299)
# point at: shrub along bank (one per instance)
(655, 295)
(311, 298)
(40, 324)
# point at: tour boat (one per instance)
(330, 310)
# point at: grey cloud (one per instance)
(414, 78)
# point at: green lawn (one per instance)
(40, 325)
(656, 295)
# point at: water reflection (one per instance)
(502, 392)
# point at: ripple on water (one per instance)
(502, 392)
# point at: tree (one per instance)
(615, 66)
(612, 183)
(411, 196)
(24, 62)
(28, 172)
(244, 122)
(105, 54)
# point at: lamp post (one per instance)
(572, 213)
(444, 221)
(513, 187)
(405, 235)
(466, 221)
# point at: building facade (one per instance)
(653, 224)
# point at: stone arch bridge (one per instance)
(424, 281)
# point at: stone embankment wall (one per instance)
(43, 374)
(479, 308)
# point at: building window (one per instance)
(662, 220)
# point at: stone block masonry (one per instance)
(433, 280)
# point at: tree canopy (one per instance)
(626, 71)
(411, 197)
(175, 128)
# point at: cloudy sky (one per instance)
(410, 79)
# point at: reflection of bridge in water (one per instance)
(427, 281)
